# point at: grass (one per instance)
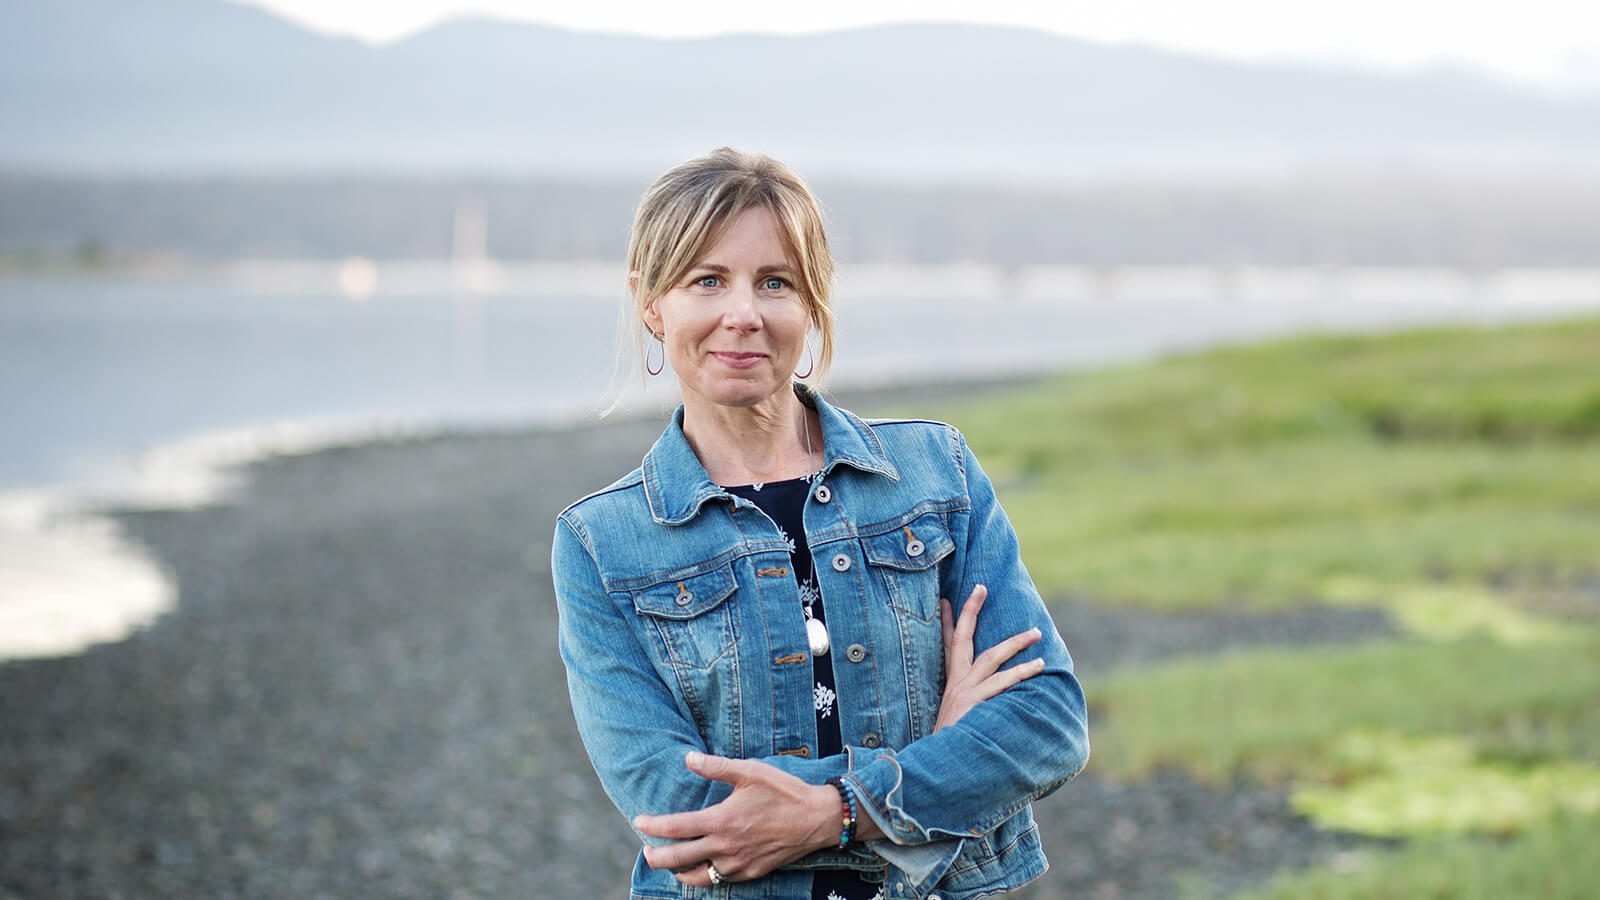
(1450, 477)
(1556, 862)
(1279, 714)
(1250, 476)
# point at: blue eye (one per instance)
(776, 284)
(703, 279)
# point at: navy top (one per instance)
(784, 502)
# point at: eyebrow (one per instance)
(724, 270)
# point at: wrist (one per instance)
(847, 811)
(823, 806)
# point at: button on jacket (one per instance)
(680, 632)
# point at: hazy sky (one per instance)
(1552, 41)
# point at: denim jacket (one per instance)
(682, 629)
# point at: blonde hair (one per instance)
(693, 204)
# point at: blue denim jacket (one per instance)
(681, 630)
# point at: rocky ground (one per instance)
(359, 695)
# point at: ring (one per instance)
(711, 869)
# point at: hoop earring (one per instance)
(811, 364)
(663, 346)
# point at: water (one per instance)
(145, 390)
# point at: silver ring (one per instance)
(711, 869)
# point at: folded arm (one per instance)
(1013, 748)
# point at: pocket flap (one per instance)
(685, 598)
(913, 547)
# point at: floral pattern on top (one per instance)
(784, 503)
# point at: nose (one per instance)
(741, 314)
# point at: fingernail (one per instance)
(1038, 664)
(1037, 632)
(693, 757)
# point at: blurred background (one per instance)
(1277, 323)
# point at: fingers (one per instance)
(683, 855)
(993, 658)
(718, 768)
(695, 822)
(1006, 678)
(1015, 675)
(967, 625)
(699, 877)
(677, 826)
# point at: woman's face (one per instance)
(735, 326)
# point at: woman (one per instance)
(776, 729)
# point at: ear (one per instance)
(651, 316)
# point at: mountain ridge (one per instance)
(184, 85)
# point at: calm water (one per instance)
(95, 369)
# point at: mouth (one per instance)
(738, 359)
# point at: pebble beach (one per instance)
(358, 694)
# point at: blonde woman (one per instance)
(763, 666)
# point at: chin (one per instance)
(742, 393)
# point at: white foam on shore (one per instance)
(69, 578)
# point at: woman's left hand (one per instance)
(970, 681)
(771, 818)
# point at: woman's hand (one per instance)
(969, 681)
(772, 818)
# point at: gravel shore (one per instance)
(359, 695)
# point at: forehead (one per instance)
(754, 236)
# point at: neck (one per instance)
(773, 440)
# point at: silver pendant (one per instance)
(817, 634)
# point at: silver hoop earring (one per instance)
(660, 343)
(811, 364)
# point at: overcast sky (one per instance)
(1551, 41)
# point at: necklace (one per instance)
(816, 632)
(817, 637)
(805, 426)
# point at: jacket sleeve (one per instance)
(633, 727)
(964, 780)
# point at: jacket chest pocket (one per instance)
(906, 563)
(693, 616)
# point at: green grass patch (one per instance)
(1251, 476)
(1440, 785)
(1281, 715)
(1552, 862)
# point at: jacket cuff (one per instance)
(875, 776)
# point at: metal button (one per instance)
(841, 563)
(914, 548)
(685, 598)
(899, 885)
(855, 653)
(871, 741)
(822, 494)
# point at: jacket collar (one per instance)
(676, 485)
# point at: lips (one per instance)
(738, 359)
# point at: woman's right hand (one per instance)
(970, 681)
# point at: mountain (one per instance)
(186, 85)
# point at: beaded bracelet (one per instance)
(847, 811)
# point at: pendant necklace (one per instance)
(816, 632)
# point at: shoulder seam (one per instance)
(630, 480)
(580, 532)
(878, 422)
